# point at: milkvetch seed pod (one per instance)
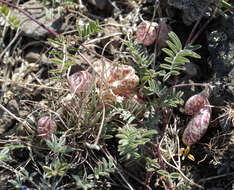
(146, 33)
(197, 126)
(116, 77)
(46, 127)
(80, 82)
(124, 78)
(195, 103)
(102, 68)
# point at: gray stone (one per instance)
(221, 48)
(7, 121)
(100, 4)
(36, 10)
(192, 9)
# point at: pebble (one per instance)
(100, 4)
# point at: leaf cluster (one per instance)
(58, 145)
(12, 21)
(177, 56)
(152, 165)
(63, 50)
(131, 141)
(142, 58)
(104, 169)
(88, 29)
(56, 6)
(224, 4)
(57, 168)
(166, 97)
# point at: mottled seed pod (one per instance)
(80, 82)
(124, 78)
(198, 106)
(116, 77)
(46, 127)
(146, 33)
(197, 127)
(195, 103)
(102, 68)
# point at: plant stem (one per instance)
(191, 41)
(195, 84)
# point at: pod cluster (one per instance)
(197, 106)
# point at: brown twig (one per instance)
(22, 121)
(191, 84)
(191, 41)
(216, 177)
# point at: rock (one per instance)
(191, 69)
(115, 39)
(222, 52)
(192, 9)
(32, 29)
(6, 121)
(100, 4)
(34, 55)
(229, 26)
(221, 48)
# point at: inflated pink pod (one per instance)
(116, 77)
(146, 33)
(46, 127)
(197, 126)
(195, 103)
(80, 82)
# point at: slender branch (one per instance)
(195, 26)
(215, 177)
(201, 30)
(192, 84)
(181, 173)
(22, 121)
(191, 41)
